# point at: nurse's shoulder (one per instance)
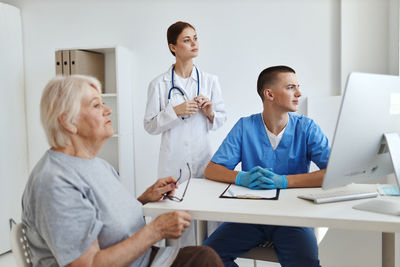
(249, 121)
(302, 122)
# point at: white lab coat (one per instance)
(183, 140)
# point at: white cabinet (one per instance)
(119, 149)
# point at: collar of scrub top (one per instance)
(179, 89)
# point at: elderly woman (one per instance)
(76, 211)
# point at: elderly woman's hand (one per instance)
(171, 224)
(157, 190)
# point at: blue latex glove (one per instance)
(250, 179)
(271, 180)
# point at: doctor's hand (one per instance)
(171, 224)
(271, 180)
(250, 179)
(158, 189)
(205, 105)
(186, 108)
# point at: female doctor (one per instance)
(184, 104)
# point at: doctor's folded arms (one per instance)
(275, 148)
(76, 210)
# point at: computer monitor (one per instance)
(366, 143)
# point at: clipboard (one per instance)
(239, 192)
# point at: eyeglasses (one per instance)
(177, 199)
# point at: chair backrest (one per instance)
(20, 246)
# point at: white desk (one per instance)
(203, 202)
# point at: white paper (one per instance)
(244, 192)
(165, 257)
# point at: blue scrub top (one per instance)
(302, 142)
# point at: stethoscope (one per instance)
(179, 89)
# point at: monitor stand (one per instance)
(386, 206)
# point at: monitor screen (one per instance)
(370, 108)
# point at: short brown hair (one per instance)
(174, 30)
(269, 76)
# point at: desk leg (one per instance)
(201, 232)
(388, 250)
(320, 233)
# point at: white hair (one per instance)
(62, 96)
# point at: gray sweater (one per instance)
(68, 202)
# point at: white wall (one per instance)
(369, 37)
(237, 40)
(322, 39)
(13, 140)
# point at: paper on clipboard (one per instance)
(235, 191)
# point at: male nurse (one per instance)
(275, 148)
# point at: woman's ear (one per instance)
(69, 127)
(172, 47)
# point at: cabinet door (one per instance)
(125, 116)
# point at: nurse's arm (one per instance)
(312, 179)
(219, 173)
